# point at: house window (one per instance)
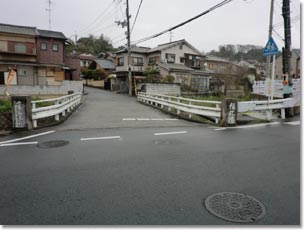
(181, 46)
(182, 60)
(137, 61)
(121, 61)
(55, 47)
(153, 60)
(22, 73)
(43, 46)
(170, 58)
(20, 48)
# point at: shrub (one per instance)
(5, 106)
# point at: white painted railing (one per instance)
(190, 106)
(268, 106)
(59, 106)
(259, 87)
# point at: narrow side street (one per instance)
(104, 109)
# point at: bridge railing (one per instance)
(54, 107)
(190, 106)
(213, 109)
(268, 106)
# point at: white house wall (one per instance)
(178, 52)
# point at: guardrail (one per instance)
(190, 106)
(247, 106)
(59, 106)
(213, 108)
(260, 87)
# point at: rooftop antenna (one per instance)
(49, 9)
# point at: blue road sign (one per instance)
(270, 48)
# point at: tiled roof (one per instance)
(178, 67)
(214, 58)
(105, 64)
(51, 34)
(13, 29)
(165, 46)
(32, 31)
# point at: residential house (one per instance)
(295, 65)
(86, 60)
(179, 59)
(225, 75)
(18, 51)
(37, 56)
(109, 67)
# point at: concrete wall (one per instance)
(76, 86)
(91, 82)
(166, 89)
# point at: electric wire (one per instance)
(139, 7)
(183, 23)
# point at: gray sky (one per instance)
(238, 22)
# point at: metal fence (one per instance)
(55, 107)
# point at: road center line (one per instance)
(28, 137)
(128, 119)
(170, 133)
(143, 119)
(293, 123)
(20, 143)
(100, 138)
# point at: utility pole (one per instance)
(287, 31)
(268, 60)
(128, 49)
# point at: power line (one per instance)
(183, 23)
(136, 16)
(98, 18)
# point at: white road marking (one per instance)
(100, 138)
(170, 133)
(293, 123)
(248, 126)
(28, 137)
(220, 129)
(148, 119)
(20, 143)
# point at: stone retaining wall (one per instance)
(75, 86)
(6, 122)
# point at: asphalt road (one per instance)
(148, 175)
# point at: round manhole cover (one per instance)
(235, 207)
(52, 144)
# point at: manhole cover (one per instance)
(235, 207)
(52, 144)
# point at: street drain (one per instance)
(235, 207)
(52, 144)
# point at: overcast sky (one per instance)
(238, 22)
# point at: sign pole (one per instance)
(272, 75)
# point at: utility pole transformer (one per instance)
(287, 31)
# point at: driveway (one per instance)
(104, 109)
